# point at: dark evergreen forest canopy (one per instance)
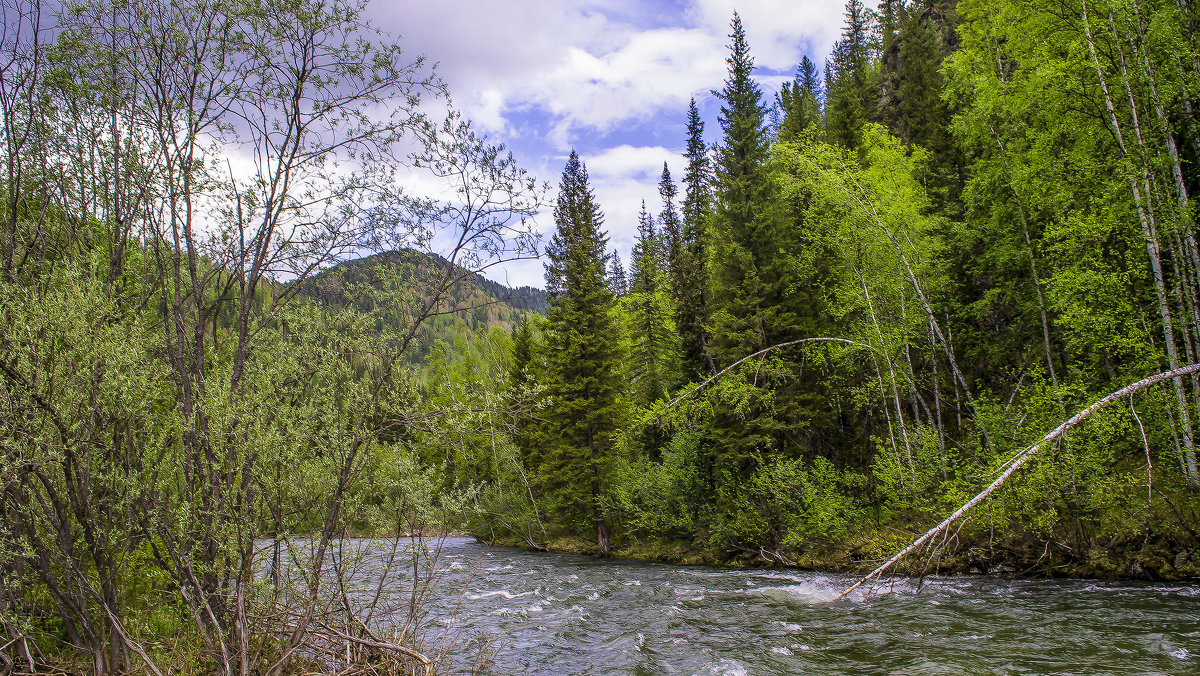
(851, 313)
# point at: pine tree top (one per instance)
(578, 249)
(745, 145)
(808, 78)
(666, 186)
(645, 224)
(741, 94)
(696, 175)
(616, 275)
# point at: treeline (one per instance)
(973, 221)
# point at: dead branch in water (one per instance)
(1015, 463)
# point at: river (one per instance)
(546, 613)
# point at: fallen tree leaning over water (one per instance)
(1015, 463)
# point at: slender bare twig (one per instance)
(712, 379)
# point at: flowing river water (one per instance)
(547, 613)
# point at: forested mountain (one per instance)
(466, 300)
(469, 289)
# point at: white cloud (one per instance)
(595, 64)
(779, 31)
(488, 50)
(582, 71)
(654, 71)
(642, 162)
(622, 177)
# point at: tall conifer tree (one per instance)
(651, 329)
(810, 79)
(646, 263)
(800, 101)
(617, 281)
(912, 87)
(761, 294)
(672, 229)
(520, 383)
(741, 237)
(691, 277)
(582, 359)
(742, 241)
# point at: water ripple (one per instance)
(558, 614)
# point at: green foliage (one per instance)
(689, 278)
(1014, 240)
(974, 269)
(660, 498)
(582, 377)
(850, 80)
(742, 230)
(758, 300)
(648, 315)
(790, 504)
(172, 394)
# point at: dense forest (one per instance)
(880, 284)
(227, 335)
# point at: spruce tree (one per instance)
(651, 329)
(850, 90)
(912, 86)
(741, 237)
(690, 279)
(800, 101)
(765, 291)
(617, 282)
(647, 256)
(742, 241)
(788, 101)
(672, 229)
(809, 79)
(889, 13)
(582, 360)
(697, 177)
(519, 393)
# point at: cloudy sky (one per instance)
(609, 78)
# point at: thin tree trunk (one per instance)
(916, 401)
(937, 404)
(1189, 115)
(865, 201)
(1149, 462)
(883, 348)
(1189, 258)
(1152, 251)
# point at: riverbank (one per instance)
(1026, 558)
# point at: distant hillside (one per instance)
(395, 285)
